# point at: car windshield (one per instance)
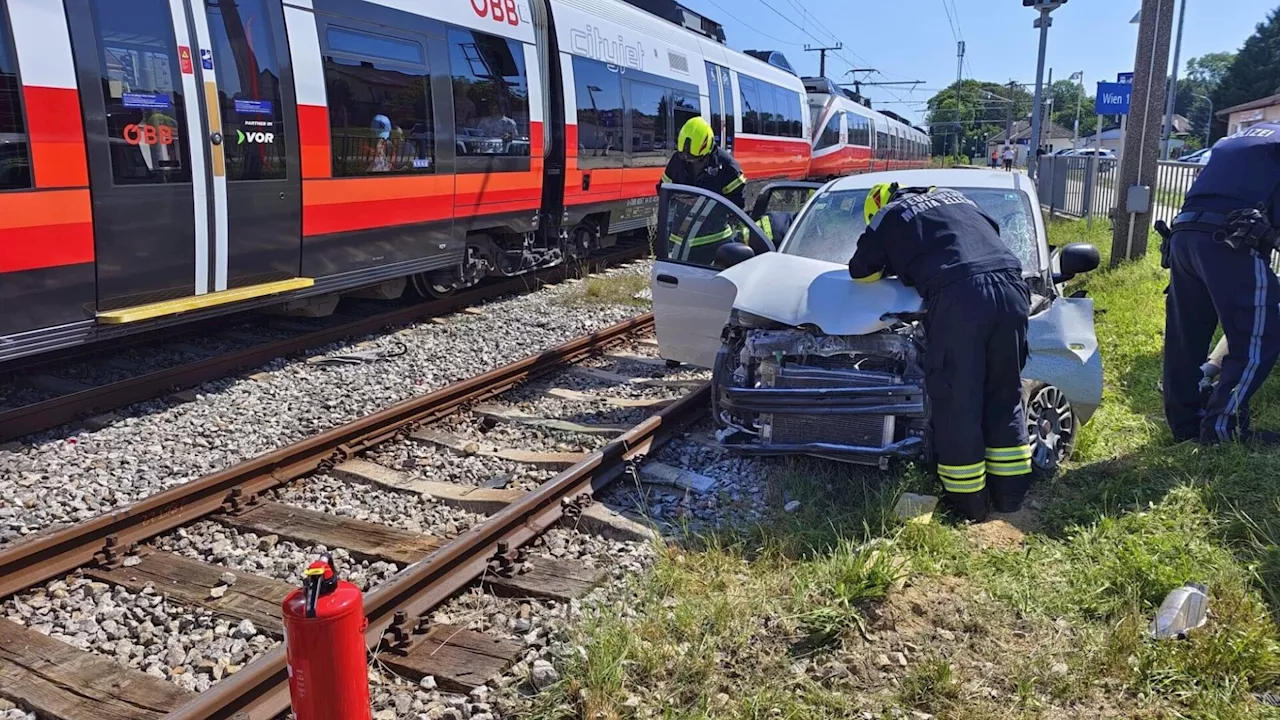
(829, 229)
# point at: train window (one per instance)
(685, 105)
(248, 72)
(15, 160)
(599, 91)
(769, 110)
(380, 115)
(789, 122)
(750, 104)
(830, 136)
(490, 98)
(882, 143)
(651, 121)
(145, 116)
(713, 95)
(369, 45)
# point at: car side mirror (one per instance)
(1076, 259)
(732, 253)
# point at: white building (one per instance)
(1058, 138)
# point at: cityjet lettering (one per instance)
(148, 134)
(254, 137)
(614, 51)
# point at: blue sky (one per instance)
(912, 39)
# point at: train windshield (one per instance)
(829, 229)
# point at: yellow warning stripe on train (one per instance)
(199, 302)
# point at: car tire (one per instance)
(1052, 426)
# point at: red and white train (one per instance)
(164, 160)
(849, 137)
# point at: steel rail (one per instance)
(46, 556)
(260, 690)
(46, 414)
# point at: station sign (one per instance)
(1126, 78)
(1113, 98)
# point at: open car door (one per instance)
(699, 234)
(787, 196)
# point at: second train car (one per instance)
(850, 138)
(163, 160)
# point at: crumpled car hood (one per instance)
(801, 291)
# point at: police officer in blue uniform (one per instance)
(976, 304)
(1219, 260)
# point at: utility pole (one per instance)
(1142, 141)
(1166, 134)
(1008, 124)
(1042, 23)
(1046, 119)
(959, 63)
(1075, 133)
(822, 56)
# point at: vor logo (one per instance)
(254, 137)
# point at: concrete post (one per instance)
(1142, 141)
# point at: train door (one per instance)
(189, 121)
(720, 96)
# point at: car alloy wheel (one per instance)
(1051, 426)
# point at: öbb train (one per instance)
(164, 160)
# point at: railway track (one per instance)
(68, 399)
(125, 548)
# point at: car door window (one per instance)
(696, 225)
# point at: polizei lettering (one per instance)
(590, 42)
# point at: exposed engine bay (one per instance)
(857, 398)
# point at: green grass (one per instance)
(610, 290)
(794, 616)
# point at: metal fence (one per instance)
(1076, 187)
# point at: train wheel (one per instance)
(431, 287)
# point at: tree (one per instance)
(965, 114)
(1210, 68)
(1204, 74)
(1066, 94)
(1255, 72)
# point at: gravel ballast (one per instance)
(56, 478)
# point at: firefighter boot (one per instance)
(1008, 492)
(969, 506)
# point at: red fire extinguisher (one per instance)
(324, 628)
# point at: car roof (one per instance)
(954, 177)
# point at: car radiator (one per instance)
(864, 430)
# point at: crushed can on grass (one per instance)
(324, 626)
(1184, 609)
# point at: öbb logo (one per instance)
(149, 134)
(499, 10)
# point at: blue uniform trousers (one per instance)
(1212, 283)
(977, 334)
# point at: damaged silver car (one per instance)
(805, 360)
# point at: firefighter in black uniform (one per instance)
(700, 161)
(1219, 260)
(976, 304)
